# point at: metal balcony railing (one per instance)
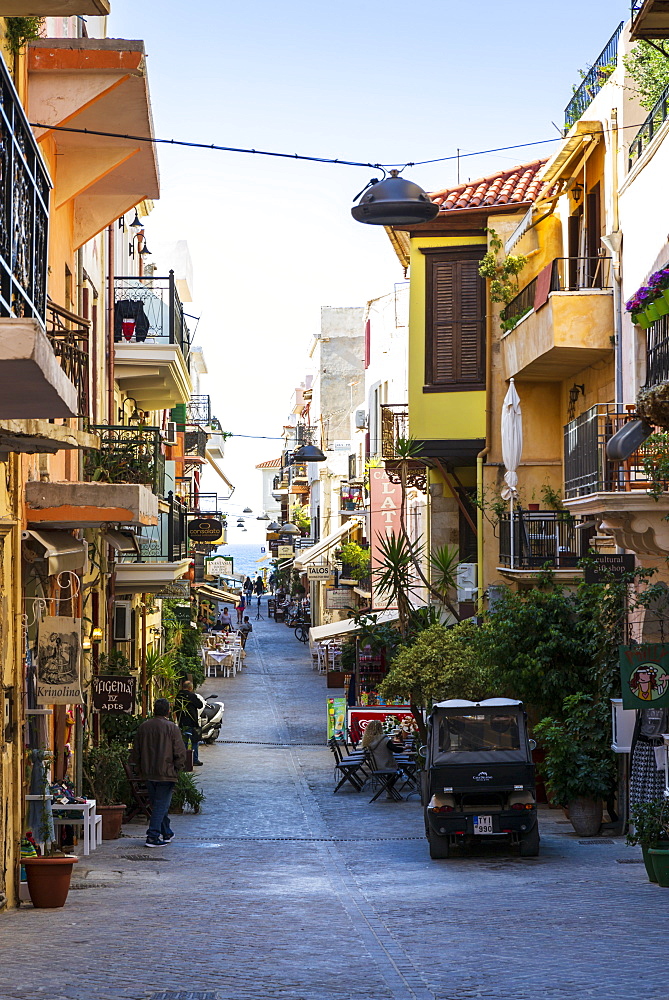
(587, 469)
(394, 425)
(196, 442)
(657, 352)
(649, 129)
(594, 80)
(168, 540)
(148, 310)
(68, 334)
(541, 538)
(24, 210)
(127, 454)
(568, 274)
(198, 410)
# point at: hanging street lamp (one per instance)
(394, 201)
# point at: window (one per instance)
(455, 320)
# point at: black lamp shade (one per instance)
(394, 202)
(307, 453)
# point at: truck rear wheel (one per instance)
(529, 844)
(439, 846)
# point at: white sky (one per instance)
(271, 240)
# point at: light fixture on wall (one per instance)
(576, 192)
(145, 252)
(574, 393)
(136, 223)
(96, 634)
(86, 643)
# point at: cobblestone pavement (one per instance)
(280, 890)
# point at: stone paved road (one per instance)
(280, 890)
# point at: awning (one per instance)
(63, 551)
(347, 625)
(213, 462)
(215, 594)
(123, 541)
(307, 557)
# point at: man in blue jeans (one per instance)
(159, 754)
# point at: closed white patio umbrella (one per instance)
(512, 448)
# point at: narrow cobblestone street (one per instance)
(278, 889)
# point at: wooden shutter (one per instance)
(456, 322)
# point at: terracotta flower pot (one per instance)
(112, 818)
(585, 816)
(48, 880)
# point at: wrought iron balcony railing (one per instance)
(649, 129)
(198, 410)
(394, 425)
(68, 334)
(24, 210)
(127, 454)
(168, 540)
(568, 274)
(594, 79)
(196, 442)
(148, 310)
(587, 469)
(541, 538)
(657, 353)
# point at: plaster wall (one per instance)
(386, 376)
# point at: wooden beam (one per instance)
(456, 493)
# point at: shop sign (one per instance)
(178, 588)
(338, 598)
(604, 567)
(359, 718)
(205, 529)
(285, 551)
(319, 572)
(340, 446)
(113, 694)
(644, 675)
(385, 500)
(218, 566)
(336, 717)
(59, 661)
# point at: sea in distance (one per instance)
(245, 558)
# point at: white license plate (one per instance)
(482, 824)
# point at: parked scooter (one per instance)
(211, 718)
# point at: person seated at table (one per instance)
(379, 743)
(244, 630)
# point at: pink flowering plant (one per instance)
(651, 292)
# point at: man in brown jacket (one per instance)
(159, 754)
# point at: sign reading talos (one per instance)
(319, 572)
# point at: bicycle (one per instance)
(302, 631)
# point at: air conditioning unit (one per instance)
(170, 435)
(122, 624)
(465, 578)
(361, 420)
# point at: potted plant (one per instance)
(48, 874)
(104, 778)
(650, 822)
(579, 764)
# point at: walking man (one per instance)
(187, 708)
(159, 754)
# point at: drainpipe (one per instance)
(613, 243)
(479, 461)
(111, 415)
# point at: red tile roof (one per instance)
(517, 186)
(273, 463)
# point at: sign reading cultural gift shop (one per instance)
(113, 694)
(205, 529)
(644, 675)
(604, 566)
(59, 661)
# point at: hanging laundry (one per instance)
(130, 319)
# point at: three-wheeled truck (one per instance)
(478, 783)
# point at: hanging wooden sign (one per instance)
(59, 661)
(113, 694)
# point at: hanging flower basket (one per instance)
(651, 312)
(662, 305)
(640, 319)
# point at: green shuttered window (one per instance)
(455, 320)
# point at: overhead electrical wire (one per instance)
(313, 159)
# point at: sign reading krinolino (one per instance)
(59, 661)
(113, 694)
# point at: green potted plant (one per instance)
(650, 822)
(579, 764)
(104, 778)
(187, 794)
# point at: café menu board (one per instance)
(338, 598)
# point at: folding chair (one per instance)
(350, 770)
(386, 779)
(140, 794)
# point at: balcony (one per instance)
(650, 127)
(541, 539)
(561, 322)
(198, 410)
(352, 499)
(54, 8)
(650, 19)
(617, 492)
(394, 425)
(152, 342)
(594, 80)
(195, 443)
(163, 553)
(68, 334)
(127, 455)
(71, 505)
(657, 353)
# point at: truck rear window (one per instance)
(479, 732)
